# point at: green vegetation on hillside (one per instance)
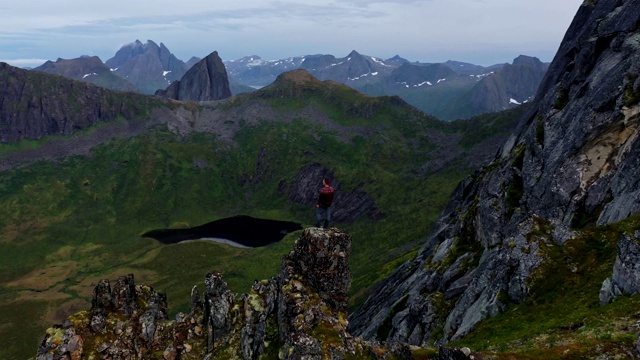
(563, 318)
(70, 223)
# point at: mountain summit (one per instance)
(147, 66)
(206, 80)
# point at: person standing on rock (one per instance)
(323, 205)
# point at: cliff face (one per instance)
(206, 80)
(572, 162)
(299, 314)
(33, 104)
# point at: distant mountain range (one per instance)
(448, 90)
(148, 67)
(88, 69)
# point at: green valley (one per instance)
(68, 223)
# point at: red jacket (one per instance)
(326, 196)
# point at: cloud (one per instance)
(422, 30)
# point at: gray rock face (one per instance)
(206, 80)
(36, 104)
(258, 306)
(218, 301)
(322, 259)
(572, 161)
(626, 270)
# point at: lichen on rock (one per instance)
(300, 314)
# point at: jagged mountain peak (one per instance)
(148, 44)
(134, 44)
(147, 66)
(204, 81)
(353, 54)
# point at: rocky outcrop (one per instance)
(572, 162)
(125, 322)
(206, 80)
(34, 104)
(626, 270)
(453, 354)
(313, 286)
(299, 314)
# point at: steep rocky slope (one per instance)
(33, 105)
(572, 162)
(298, 314)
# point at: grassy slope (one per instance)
(563, 318)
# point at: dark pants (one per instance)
(323, 212)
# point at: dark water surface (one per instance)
(243, 230)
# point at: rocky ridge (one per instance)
(89, 69)
(572, 162)
(298, 314)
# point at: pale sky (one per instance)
(482, 32)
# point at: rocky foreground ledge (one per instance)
(298, 314)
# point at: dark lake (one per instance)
(243, 230)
